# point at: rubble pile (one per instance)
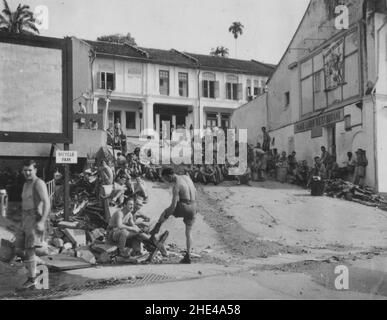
(339, 188)
(82, 240)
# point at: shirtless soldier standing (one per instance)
(183, 206)
(35, 211)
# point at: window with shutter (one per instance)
(110, 81)
(103, 80)
(107, 81)
(204, 88)
(183, 84)
(228, 91)
(240, 91)
(209, 85)
(232, 88)
(164, 82)
(217, 94)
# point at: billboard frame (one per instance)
(65, 45)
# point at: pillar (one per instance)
(201, 117)
(106, 115)
(147, 115)
(157, 124)
(95, 106)
(219, 120)
(196, 117)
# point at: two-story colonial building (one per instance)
(145, 88)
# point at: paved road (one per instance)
(247, 286)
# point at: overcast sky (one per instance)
(189, 25)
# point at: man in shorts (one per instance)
(35, 211)
(122, 227)
(183, 206)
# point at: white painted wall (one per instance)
(251, 116)
(381, 101)
(359, 137)
(129, 75)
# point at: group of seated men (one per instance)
(129, 228)
(286, 168)
(128, 181)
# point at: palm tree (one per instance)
(21, 20)
(219, 52)
(236, 29)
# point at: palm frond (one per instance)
(3, 19)
(25, 18)
(31, 26)
(7, 11)
(25, 8)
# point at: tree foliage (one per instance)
(22, 20)
(236, 29)
(219, 51)
(118, 38)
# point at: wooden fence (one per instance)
(51, 189)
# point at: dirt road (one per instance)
(266, 241)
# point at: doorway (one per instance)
(113, 117)
(331, 134)
(165, 125)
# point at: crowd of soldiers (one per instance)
(264, 162)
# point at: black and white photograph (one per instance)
(204, 151)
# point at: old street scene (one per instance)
(151, 153)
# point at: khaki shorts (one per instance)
(187, 211)
(27, 237)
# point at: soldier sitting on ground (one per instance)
(301, 173)
(244, 178)
(317, 171)
(122, 228)
(208, 174)
(194, 173)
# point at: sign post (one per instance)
(66, 158)
(66, 188)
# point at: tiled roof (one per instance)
(168, 57)
(235, 65)
(115, 49)
(174, 57)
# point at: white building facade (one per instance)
(151, 89)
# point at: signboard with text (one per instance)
(66, 157)
(35, 89)
(320, 121)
